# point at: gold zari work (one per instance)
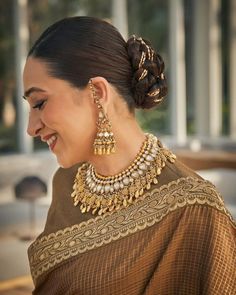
(50, 250)
(101, 194)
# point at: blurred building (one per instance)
(197, 40)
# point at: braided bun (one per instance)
(148, 82)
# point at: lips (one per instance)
(51, 140)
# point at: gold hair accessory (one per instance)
(142, 59)
(150, 56)
(149, 49)
(158, 99)
(154, 93)
(143, 75)
(104, 143)
(144, 56)
(101, 194)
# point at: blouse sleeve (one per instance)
(200, 257)
(216, 233)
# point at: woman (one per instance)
(126, 216)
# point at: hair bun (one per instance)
(148, 82)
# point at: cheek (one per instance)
(85, 127)
(76, 126)
(83, 133)
(57, 118)
(50, 120)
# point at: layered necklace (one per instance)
(101, 194)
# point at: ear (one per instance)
(103, 91)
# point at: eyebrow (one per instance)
(31, 90)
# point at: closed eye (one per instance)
(39, 105)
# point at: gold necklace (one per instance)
(103, 194)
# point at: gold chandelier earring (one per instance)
(104, 143)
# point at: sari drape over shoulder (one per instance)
(179, 239)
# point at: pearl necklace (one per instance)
(110, 193)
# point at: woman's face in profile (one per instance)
(62, 115)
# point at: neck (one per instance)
(129, 141)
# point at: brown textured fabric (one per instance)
(179, 240)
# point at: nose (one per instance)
(35, 124)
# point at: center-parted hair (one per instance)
(76, 49)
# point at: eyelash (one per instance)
(39, 105)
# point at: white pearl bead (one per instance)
(111, 189)
(99, 187)
(126, 180)
(149, 158)
(135, 174)
(140, 172)
(143, 166)
(107, 188)
(116, 185)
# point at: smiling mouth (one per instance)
(52, 142)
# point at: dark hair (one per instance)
(76, 49)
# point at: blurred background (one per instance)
(197, 40)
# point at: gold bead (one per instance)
(94, 210)
(158, 171)
(155, 180)
(99, 151)
(137, 194)
(73, 194)
(100, 211)
(76, 203)
(108, 151)
(130, 200)
(83, 210)
(88, 208)
(148, 186)
(125, 202)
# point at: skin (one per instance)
(71, 114)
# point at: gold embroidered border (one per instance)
(50, 250)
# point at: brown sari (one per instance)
(179, 240)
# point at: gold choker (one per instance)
(101, 194)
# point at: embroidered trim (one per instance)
(48, 251)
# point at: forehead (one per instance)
(35, 71)
(36, 75)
